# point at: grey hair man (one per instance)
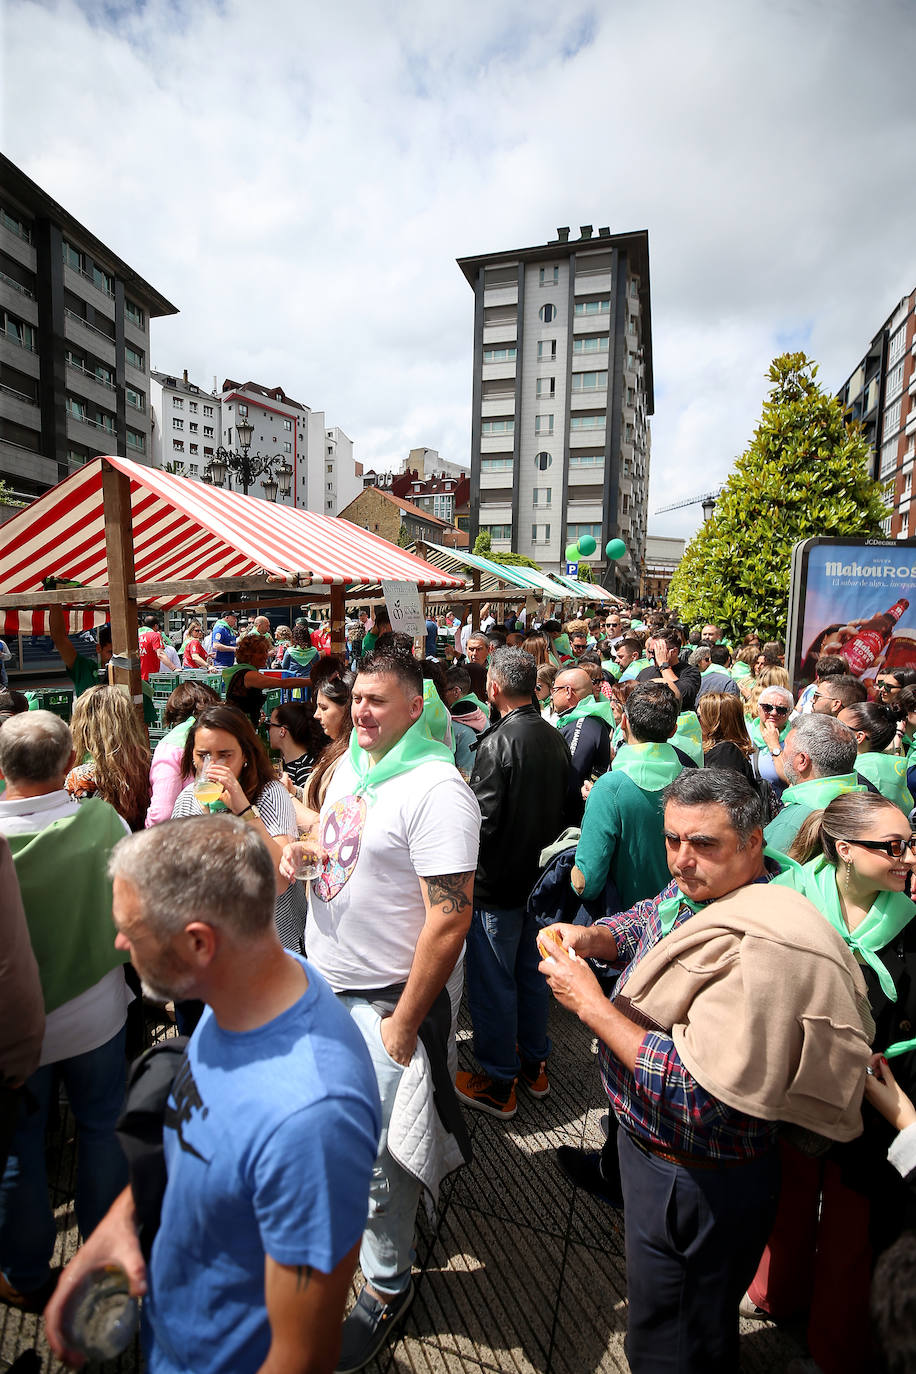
(585, 723)
(520, 779)
(274, 1073)
(819, 758)
(60, 851)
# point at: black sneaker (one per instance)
(368, 1327)
(583, 1169)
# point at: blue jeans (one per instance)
(507, 997)
(386, 1254)
(95, 1084)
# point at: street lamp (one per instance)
(247, 468)
(709, 506)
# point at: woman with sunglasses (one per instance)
(767, 730)
(891, 682)
(856, 858)
(875, 728)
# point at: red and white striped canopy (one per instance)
(184, 529)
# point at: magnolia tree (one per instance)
(804, 473)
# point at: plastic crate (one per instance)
(215, 680)
(163, 684)
(271, 701)
(57, 700)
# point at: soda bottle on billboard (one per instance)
(860, 653)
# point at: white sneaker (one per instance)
(749, 1309)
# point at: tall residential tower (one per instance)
(563, 389)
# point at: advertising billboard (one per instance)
(855, 598)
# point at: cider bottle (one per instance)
(860, 653)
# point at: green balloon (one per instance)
(572, 553)
(587, 545)
(615, 548)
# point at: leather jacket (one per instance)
(520, 779)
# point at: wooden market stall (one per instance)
(136, 536)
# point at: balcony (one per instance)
(92, 329)
(495, 407)
(499, 333)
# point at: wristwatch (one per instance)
(774, 753)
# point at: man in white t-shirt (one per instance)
(398, 836)
(66, 894)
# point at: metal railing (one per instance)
(17, 286)
(93, 376)
(86, 325)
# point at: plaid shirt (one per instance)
(662, 1102)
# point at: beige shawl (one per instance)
(766, 1007)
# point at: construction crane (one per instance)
(707, 501)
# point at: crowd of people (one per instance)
(709, 865)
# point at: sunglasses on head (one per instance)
(771, 709)
(894, 849)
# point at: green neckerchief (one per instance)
(669, 908)
(817, 793)
(739, 669)
(688, 736)
(561, 646)
(611, 666)
(756, 733)
(716, 668)
(178, 733)
(301, 656)
(481, 705)
(222, 625)
(889, 914)
(69, 916)
(229, 673)
(415, 746)
(888, 773)
(588, 706)
(650, 766)
(436, 714)
(634, 669)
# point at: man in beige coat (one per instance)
(698, 1125)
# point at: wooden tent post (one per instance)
(338, 619)
(119, 549)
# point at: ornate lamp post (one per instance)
(246, 467)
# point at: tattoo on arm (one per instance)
(303, 1277)
(448, 891)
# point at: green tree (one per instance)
(8, 499)
(483, 547)
(404, 539)
(804, 473)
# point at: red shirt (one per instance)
(193, 647)
(150, 641)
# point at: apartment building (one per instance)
(185, 422)
(562, 394)
(74, 343)
(334, 477)
(881, 395)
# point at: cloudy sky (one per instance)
(298, 178)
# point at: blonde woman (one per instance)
(114, 752)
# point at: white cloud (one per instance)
(299, 178)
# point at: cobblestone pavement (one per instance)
(522, 1274)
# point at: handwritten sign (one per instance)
(404, 609)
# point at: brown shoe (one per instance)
(533, 1078)
(34, 1301)
(485, 1094)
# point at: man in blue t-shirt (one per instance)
(271, 1127)
(223, 640)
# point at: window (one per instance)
(500, 355)
(443, 507)
(177, 403)
(208, 411)
(287, 446)
(134, 398)
(891, 419)
(136, 441)
(628, 433)
(287, 424)
(591, 343)
(243, 410)
(595, 307)
(548, 276)
(497, 427)
(542, 496)
(208, 431)
(193, 426)
(547, 350)
(575, 532)
(542, 461)
(76, 408)
(192, 406)
(193, 469)
(73, 257)
(330, 486)
(134, 313)
(26, 335)
(193, 448)
(497, 531)
(631, 396)
(895, 349)
(586, 460)
(586, 422)
(543, 424)
(888, 458)
(547, 313)
(229, 437)
(178, 445)
(329, 467)
(496, 464)
(103, 280)
(135, 357)
(546, 386)
(894, 382)
(15, 225)
(540, 534)
(589, 381)
(177, 424)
